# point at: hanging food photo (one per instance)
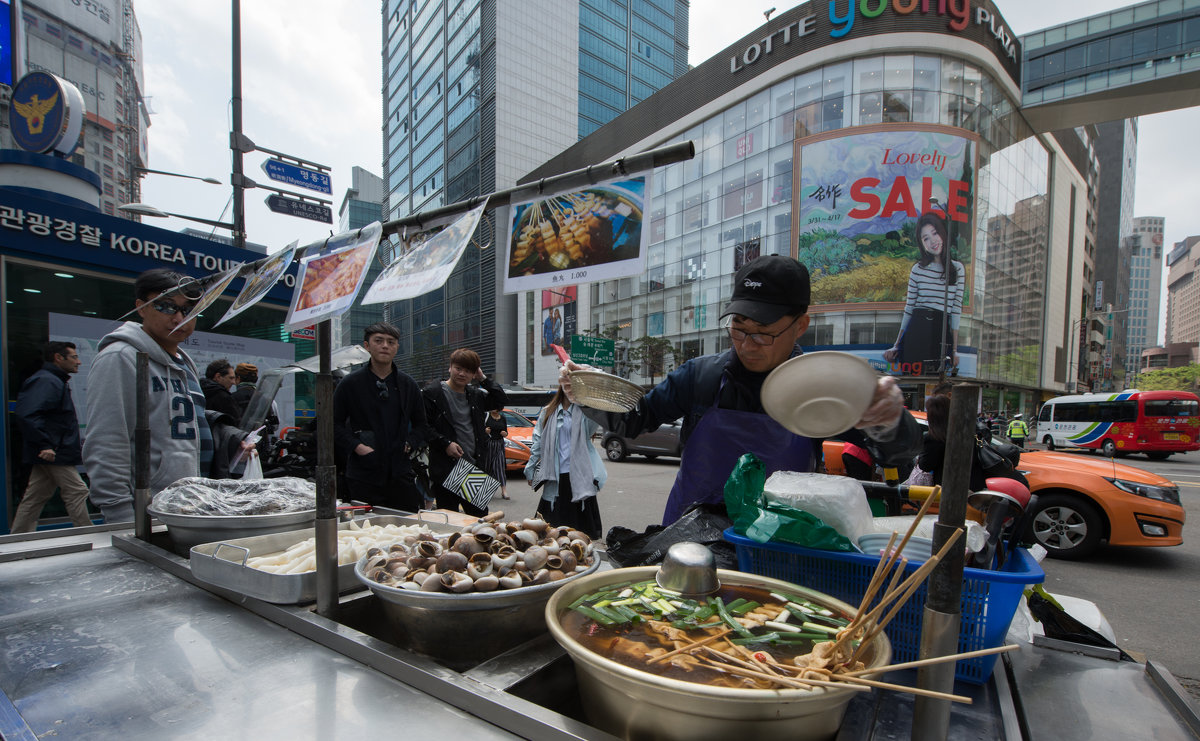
(586, 235)
(328, 282)
(260, 282)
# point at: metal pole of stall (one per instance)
(326, 524)
(141, 449)
(943, 606)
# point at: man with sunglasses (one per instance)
(180, 438)
(378, 417)
(719, 396)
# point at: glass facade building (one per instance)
(1145, 288)
(734, 201)
(472, 100)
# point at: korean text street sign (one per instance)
(593, 350)
(301, 177)
(302, 209)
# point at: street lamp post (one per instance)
(145, 209)
(211, 181)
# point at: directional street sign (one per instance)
(593, 350)
(303, 209)
(301, 177)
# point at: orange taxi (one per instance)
(520, 437)
(1083, 502)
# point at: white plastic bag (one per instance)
(253, 468)
(838, 501)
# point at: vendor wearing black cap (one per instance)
(718, 396)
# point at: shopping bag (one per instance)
(253, 468)
(472, 484)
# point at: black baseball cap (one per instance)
(768, 288)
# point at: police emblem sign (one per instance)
(46, 114)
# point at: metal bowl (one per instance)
(630, 703)
(192, 530)
(463, 630)
(690, 569)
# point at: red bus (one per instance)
(1157, 423)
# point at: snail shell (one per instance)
(556, 574)
(525, 538)
(535, 557)
(432, 584)
(451, 561)
(505, 557)
(511, 580)
(418, 577)
(578, 535)
(479, 565)
(397, 549)
(550, 544)
(486, 583)
(455, 581)
(536, 524)
(375, 562)
(373, 551)
(568, 559)
(541, 576)
(429, 548)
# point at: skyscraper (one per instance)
(477, 95)
(1116, 148)
(1145, 288)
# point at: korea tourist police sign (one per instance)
(884, 218)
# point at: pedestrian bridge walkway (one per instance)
(1138, 60)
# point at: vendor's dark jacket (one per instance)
(219, 399)
(46, 415)
(487, 395)
(690, 391)
(358, 418)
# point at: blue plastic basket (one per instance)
(989, 598)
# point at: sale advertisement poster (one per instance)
(884, 219)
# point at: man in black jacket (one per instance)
(720, 396)
(46, 415)
(455, 409)
(378, 417)
(218, 379)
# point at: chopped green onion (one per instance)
(765, 638)
(784, 627)
(738, 627)
(594, 615)
(744, 608)
(823, 628)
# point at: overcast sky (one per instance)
(311, 76)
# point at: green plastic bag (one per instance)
(763, 522)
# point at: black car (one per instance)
(663, 441)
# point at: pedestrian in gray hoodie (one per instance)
(180, 440)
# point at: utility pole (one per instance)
(235, 137)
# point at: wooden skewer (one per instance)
(901, 688)
(796, 683)
(690, 646)
(935, 660)
(876, 578)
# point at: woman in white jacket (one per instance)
(565, 466)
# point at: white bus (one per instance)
(1157, 423)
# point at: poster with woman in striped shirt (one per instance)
(884, 221)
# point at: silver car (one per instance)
(663, 441)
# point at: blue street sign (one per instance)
(301, 177)
(303, 209)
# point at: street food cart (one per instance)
(106, 635)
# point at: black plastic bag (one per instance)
(701, 523)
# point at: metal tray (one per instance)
(189, 530)
(223, 563)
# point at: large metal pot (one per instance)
(192, 530)
(463, 630)
(633, 704)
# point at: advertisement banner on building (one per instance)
(583, 236)
(884, 219)
(427, 267)
(330, 279)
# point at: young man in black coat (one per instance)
(218, 379)
(456, 409)
(378, 417)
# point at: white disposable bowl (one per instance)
(819, 394)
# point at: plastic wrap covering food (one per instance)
(839, 502)
(233, 498)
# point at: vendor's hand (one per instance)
(361, 449)
(454, 450)
(248, 448)
(564, 377)
(891, 354)
(478, 375)
(886, 406)
(46, 455)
